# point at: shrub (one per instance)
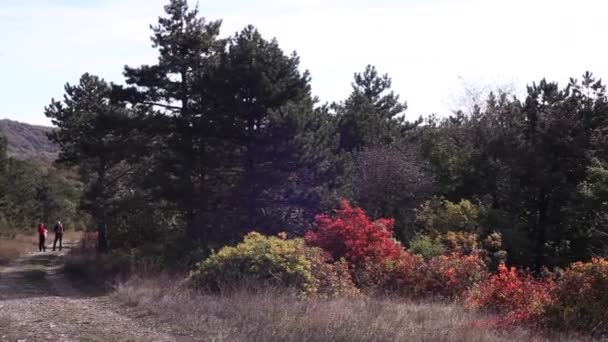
(426, 246)
(493, 253)
(450, 276)
(396, 276)
(580, 299)
(463, 243)
(352, 235)
(258, 260)
(518, 296)
(331, 279)
(439, 214)
(275, 261)
(445, 276)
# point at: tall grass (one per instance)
(278, 316)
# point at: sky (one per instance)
(433, 49)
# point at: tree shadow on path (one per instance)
(36, 275)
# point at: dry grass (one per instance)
(275, 316)
(26, 243)
(13, 248)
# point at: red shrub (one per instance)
(354, 236)
(518, 296)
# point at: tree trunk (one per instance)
(103, 244)
(250, 175)
(192, 229)
(102, 229)
(541, 232)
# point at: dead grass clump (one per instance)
(99, 271)
(275, 316)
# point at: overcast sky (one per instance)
(429, 47)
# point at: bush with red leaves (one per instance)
(518, 297)
(352, 235)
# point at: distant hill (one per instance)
(27, 141)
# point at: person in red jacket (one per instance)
(41, 237)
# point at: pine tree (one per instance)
(94, 133)
(281, 140)
(372, 115)
(177, 88)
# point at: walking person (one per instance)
(58, 234)
(42, 232)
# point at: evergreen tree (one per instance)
(176, 87)
(281, 141)
(372, 115)
(94, 132)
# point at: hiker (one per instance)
(58, 234)
(41, 237)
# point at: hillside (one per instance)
(28, 141)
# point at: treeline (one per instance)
(32, 192)
(222, 136)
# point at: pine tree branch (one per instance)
(161, 105)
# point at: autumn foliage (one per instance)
(517, 296)
(450, 276)
(348, 253)
(352, 235)
(580, 299)
(274, 261)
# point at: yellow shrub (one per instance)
(258, 260)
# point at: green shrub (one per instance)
(441, 215)
(463, 243)
(426, 246)
(258, 261)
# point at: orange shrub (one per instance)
(446, 276)
(580, 299)
(331, 278)
(450, 276)
(394, 276)
(519, 297)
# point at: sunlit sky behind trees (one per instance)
(432, 49)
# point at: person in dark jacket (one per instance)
(58, 234)
(41, 237)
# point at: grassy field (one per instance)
(276, 316)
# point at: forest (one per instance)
(219, 162)
(222, 136)
(32, 191)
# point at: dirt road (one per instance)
(37, 303)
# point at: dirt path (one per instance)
(37, 303)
